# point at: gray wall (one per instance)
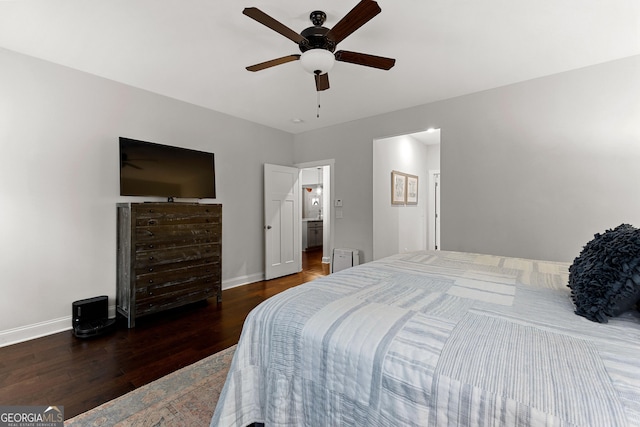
(59, 185)
(529, 170)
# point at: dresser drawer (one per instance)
(178, 240)
(175, 296)
(153, 214)
(212, 263)
(180, 233)
(152, 258)
(178, 273)
(157, 285)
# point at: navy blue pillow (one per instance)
(605, 277)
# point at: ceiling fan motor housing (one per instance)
(316, 36)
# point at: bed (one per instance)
(433, 338)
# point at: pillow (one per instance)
(605, 277)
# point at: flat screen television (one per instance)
(150, 169)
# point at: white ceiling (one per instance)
(197, 50)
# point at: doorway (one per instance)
(283, 218)
(316, 187)
(404, 227)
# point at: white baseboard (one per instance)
(243, 280)
(37, 330)
(42, 329)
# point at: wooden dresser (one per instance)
(169, 254)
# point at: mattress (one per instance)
(433, 338)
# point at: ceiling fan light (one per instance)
(317, 61)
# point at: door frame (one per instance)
(433, 208)
(328, 207)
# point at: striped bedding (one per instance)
(433, 339)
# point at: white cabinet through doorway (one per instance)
(311, 234)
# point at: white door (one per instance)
(281, 221)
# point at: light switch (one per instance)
(338, 203)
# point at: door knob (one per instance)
(268, 227)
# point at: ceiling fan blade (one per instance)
(364, 59)
(322, 82)
(264, 19)
(356, 18)
(273, 62)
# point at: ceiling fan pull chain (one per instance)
(318, 110)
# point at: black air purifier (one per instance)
(90, 317)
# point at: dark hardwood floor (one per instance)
(80, 374)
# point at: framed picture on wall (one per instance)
(412, 189)
(398, 188)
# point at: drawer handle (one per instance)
(150, 233)
(151, 246)
(152, 222)
(150, 269)
(150, 258)
(150, 293)
(150, 281)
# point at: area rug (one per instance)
(186, 397)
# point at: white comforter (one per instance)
(433, 339)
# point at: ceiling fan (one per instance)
(318, 43)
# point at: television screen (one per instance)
(149, 169)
